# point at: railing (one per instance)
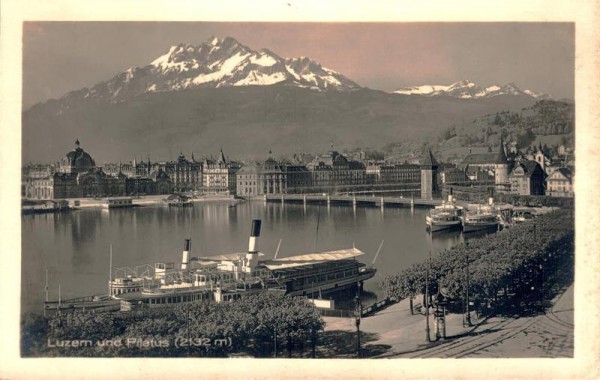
(320, 198)
(378, 306)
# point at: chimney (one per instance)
(254, 234)
(252, 255)
(185, 257)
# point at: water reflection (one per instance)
(74, 246)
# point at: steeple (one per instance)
(428, 159)
(501, 158)
(222, 158)
(77, 143)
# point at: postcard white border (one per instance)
(583, 13)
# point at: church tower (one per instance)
(501, 165)
(429, 168)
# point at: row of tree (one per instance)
(514, 262)
(249, 326)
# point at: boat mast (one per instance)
(277, 251)
(377, 254)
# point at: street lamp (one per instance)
(468, 284)
(358, 316)
(427, 335)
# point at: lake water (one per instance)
(74, 247)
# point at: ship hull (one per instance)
(472, 227)
(443, 226)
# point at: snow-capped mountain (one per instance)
(468, 90)
(216, 63)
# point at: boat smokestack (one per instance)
(185, 256)
(251, 259)
(254, 234)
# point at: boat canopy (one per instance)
(226, 257)
(311, 258)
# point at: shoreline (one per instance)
(147, 200)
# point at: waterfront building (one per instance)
(272, 177)
(332, 171)
(39, 170)
(263, 178)
(429, 180)
(32, 172)
(495, 163)
(561, 183)
(297, 178)
(379, 173)
(79, 177)
(453, 176)
(479, 175)
(219, 176)
(186, 175)
(527, 178)
(157, 182)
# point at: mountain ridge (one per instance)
(248, 101)
(247, 121)
(214, 63)
(466, 89)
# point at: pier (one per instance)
(351, 199)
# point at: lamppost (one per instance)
(427, 335)
(358, 316)
(468, 285)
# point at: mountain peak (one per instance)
(217, 63)
(465, 89)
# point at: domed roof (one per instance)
(79, 158)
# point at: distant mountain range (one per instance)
(215, 63)
(468, 90)
(222, 93)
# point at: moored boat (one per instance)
(177, 200)
(482, 218)
(444, 217)
(118, 202)
(229, 277)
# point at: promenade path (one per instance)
(403, 335)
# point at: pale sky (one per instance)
(59, 57)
